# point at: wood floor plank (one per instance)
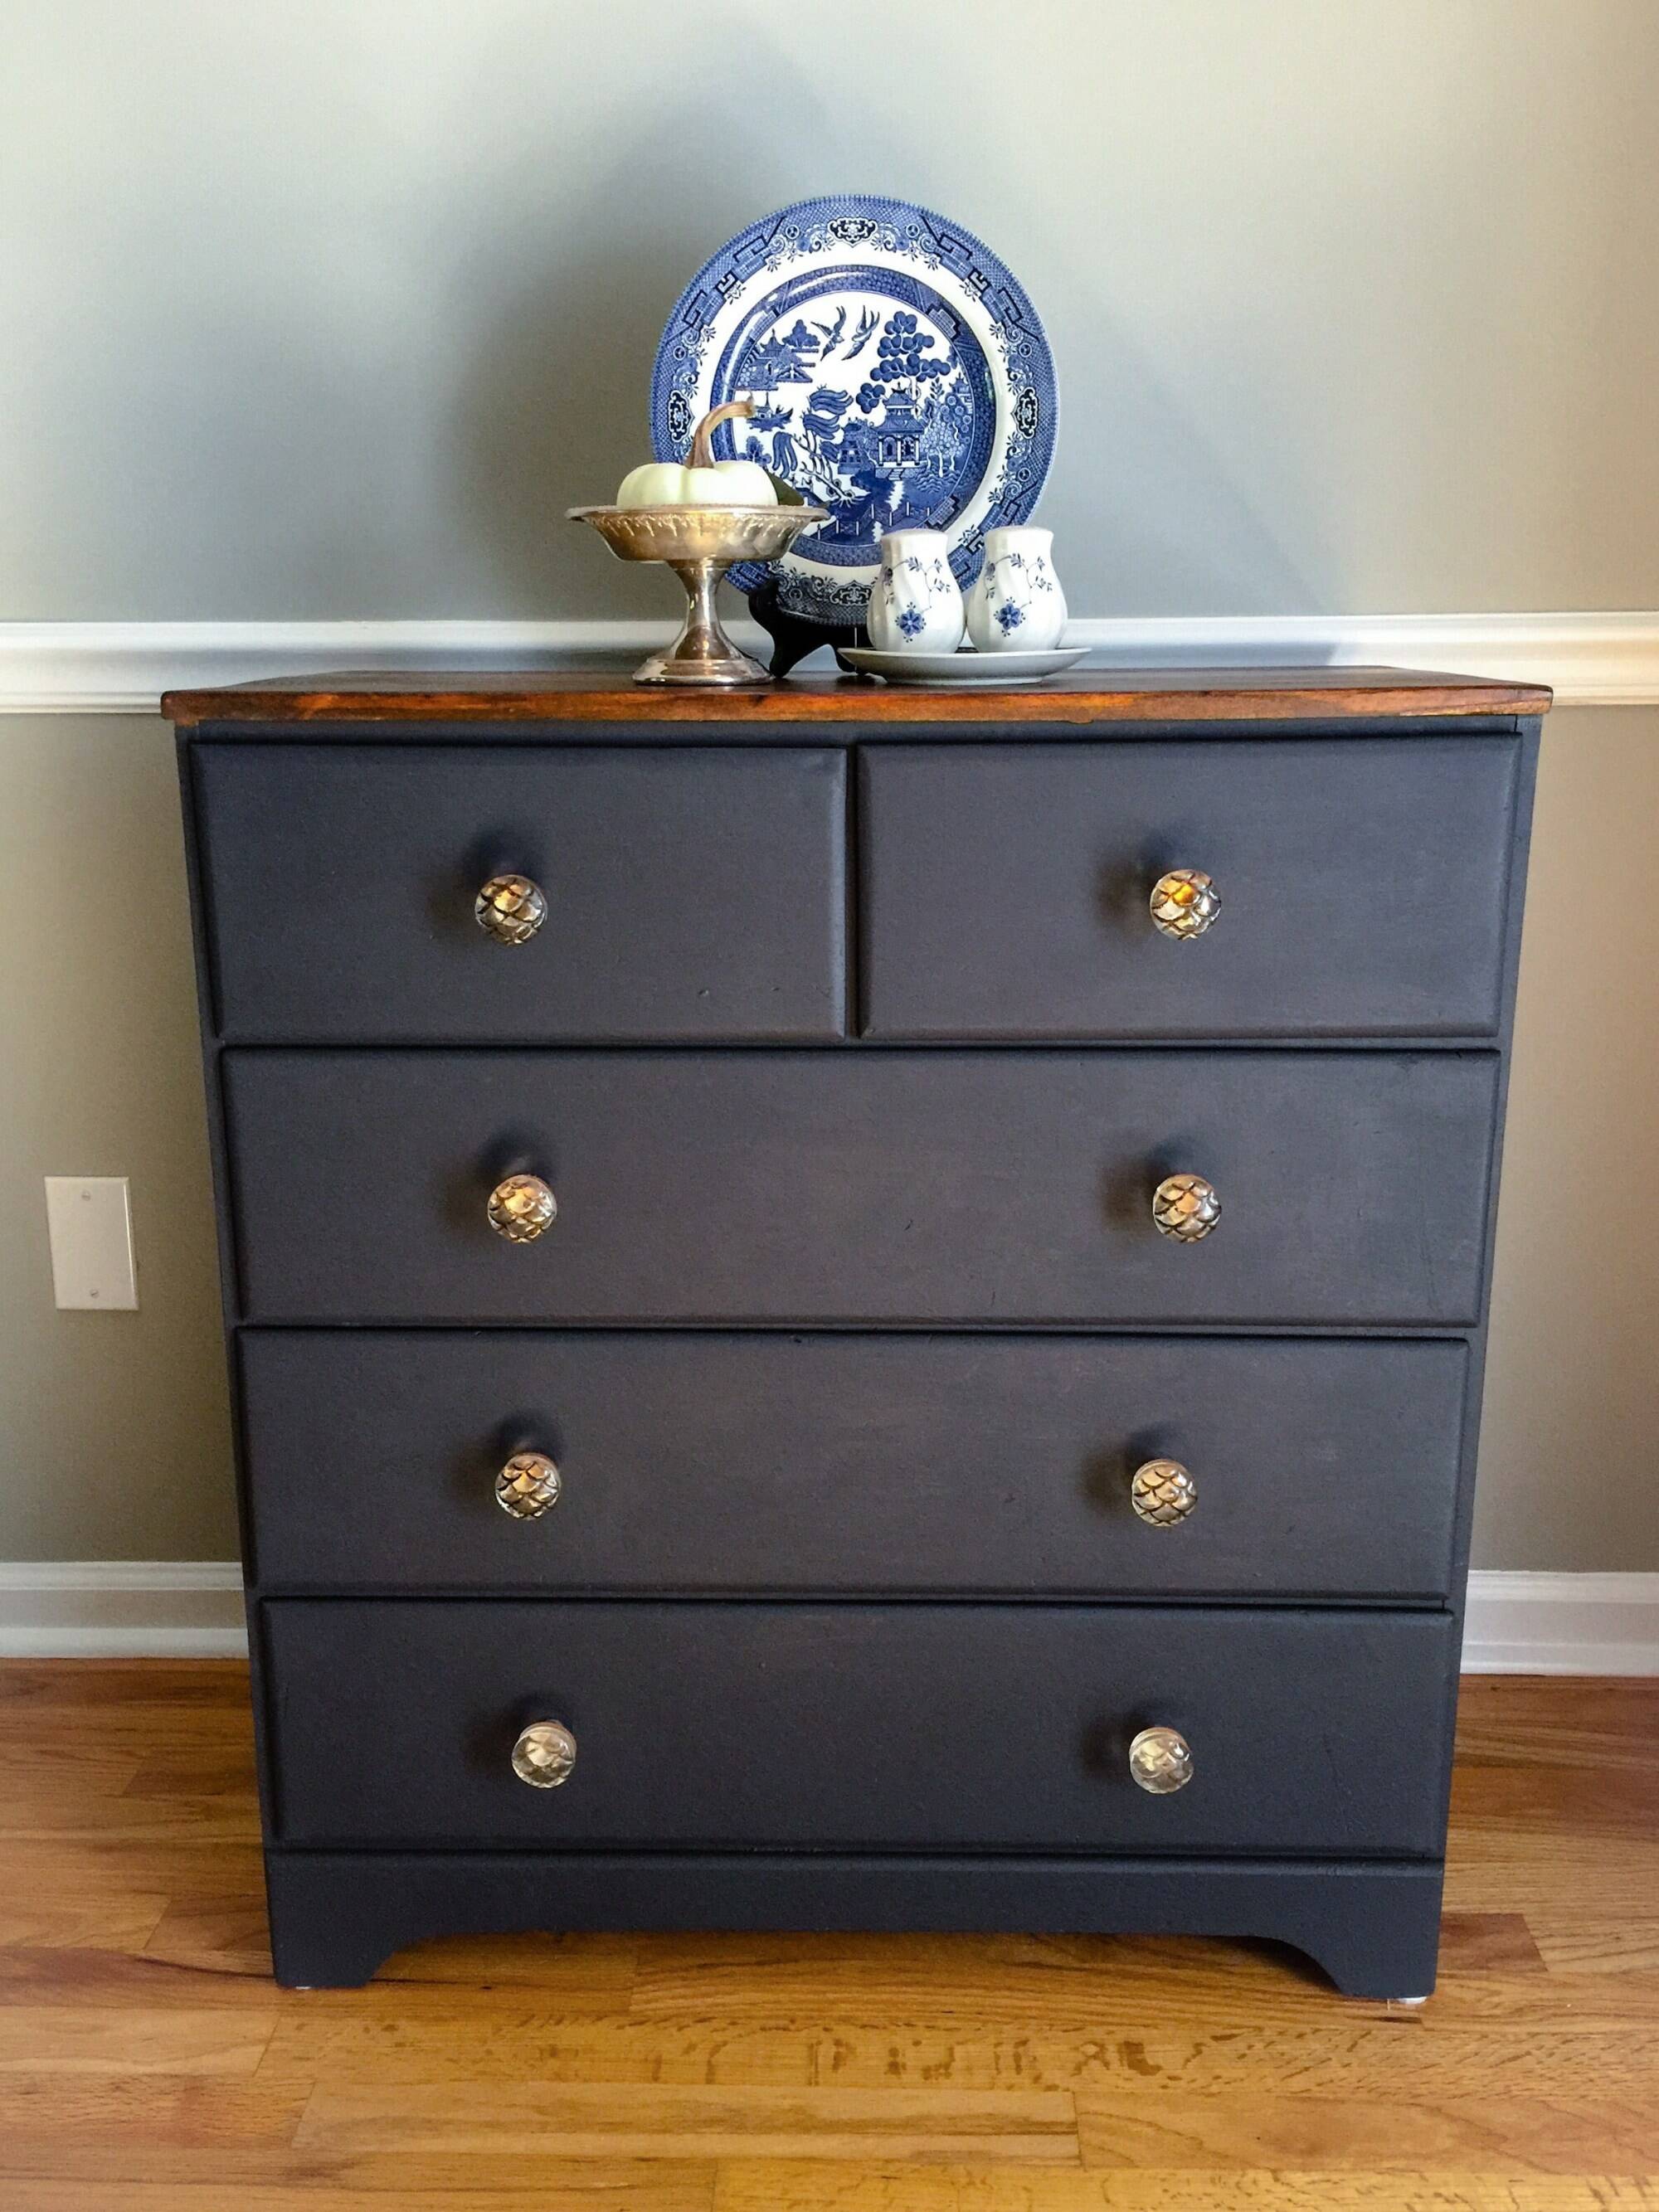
(40, 1762)
(213, 1934)
(118, 1920)
(1534, 1801)
(1571, 1944)
(1572, 2131)
(543, 2185)
(103, 1685)
(1408, 2055)
(69, 1813)
(59, 2114)
(1494, 1867)
(68, 1735)
(651, 2119)
(773, 2186)
(1597, 1725)
(192, 1770)
(179, 1864)
(100, 2039)
(600, 1964)
(1488, 1943)
(129, 1980)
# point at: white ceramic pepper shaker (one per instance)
(1017, 605)
(916, 604)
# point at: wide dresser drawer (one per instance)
(880, 1187)
(689, 891)
(1363, 888)
(695, 1461)
(889, 1727)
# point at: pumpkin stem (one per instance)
(702, 451)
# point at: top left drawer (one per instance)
(693, 891)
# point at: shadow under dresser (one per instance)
(857, 1308)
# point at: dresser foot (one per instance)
(1380, 1942)
(329, 1930)
(313, 1957)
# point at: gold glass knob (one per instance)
(545, 1754)
(1163, 1493)
(510, 908)
(1184, 904)
(1186, 1207)
(528, 1486)
(521, 1208)
(1160, 1761)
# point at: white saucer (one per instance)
(965, 666)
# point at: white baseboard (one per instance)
(1517, 1624)
(121, 1609)
(1544, 1623)
(1589, 658)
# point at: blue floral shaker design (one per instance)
(916, 604)
(1017, 605)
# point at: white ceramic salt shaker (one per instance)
(916, 604)
(1017, 605)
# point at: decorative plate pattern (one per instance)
(900, 377)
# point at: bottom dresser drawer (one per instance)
(926, 1727)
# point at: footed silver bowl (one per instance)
(700, 544)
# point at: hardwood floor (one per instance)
(146, 2060)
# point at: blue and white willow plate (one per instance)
(901, 379)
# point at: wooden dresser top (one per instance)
(1086, 696)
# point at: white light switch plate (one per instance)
(90, 1223)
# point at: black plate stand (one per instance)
(793, 636)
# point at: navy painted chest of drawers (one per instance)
(857, 1308)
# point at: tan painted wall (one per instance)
(114, 1441)
(1569, 1449)
(113, 1435)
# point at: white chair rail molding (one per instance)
(1606, 660)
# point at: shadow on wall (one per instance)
(555, 408)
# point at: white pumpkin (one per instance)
(703, 481)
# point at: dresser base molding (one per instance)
(1374, 1927)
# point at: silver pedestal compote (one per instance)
(700, 544)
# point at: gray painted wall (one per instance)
(329, 311)
(334, 309)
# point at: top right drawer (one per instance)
(1362, 887)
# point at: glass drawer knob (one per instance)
(1163, 1493)
(1184, 904)
(1186, 1207)
(1160, 1761)
(545, 1754)
(510, 908)
(521, 1208)
(529, 1486)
